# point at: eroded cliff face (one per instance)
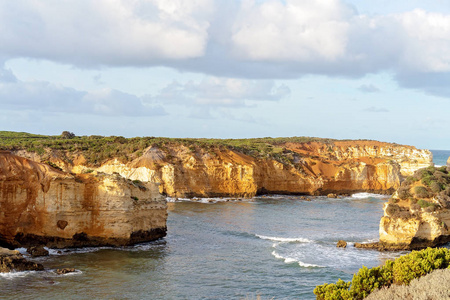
(418, 214)
(307, 168)
(41, 205)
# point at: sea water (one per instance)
(440, 157)
(275, 247)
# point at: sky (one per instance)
(359, 69)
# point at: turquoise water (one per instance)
(277, 247)
(440, 157)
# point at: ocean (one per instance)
(440, 157)
(277, 247)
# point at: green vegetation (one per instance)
(421, 192)
(426, 183)
(97, 149)
(401, 271)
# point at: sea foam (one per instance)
(13, 274)
(284, 240)
(290, 260)
(368, 195)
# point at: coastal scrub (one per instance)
(401, 271)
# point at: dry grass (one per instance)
(433, 286)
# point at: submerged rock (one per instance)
(65, 271)
(341, 244)
(12, 260)
(37, 251)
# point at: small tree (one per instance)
(67, 135)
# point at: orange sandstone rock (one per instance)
(42, 205)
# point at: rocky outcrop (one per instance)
(315, 168)
(418, 214)
(40, 205)
(12, 260)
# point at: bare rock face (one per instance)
(40, 205)
(315, 168)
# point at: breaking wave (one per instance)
(284, 240)
(290, 260)
(369, 195)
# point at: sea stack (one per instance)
(41, 205)
(418, 214)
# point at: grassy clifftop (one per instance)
(97, 149)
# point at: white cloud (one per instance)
(47, 97)
(427, 41)
(111, 32)
(243, 39)
(298, 30)
(221, 92)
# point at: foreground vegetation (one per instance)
(433, 286)
(97, 149)
(401, 271)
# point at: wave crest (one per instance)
(284, 240)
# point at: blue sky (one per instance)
(228, 69)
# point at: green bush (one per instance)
(333, 291)
(410, 180)
(424, 204)
(421, 192)
(419, 263)
(367, 280)
(403, 192)
(401, 271)
(435, 187)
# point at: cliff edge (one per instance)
(201, 169)
(42, 205)
(418, 214)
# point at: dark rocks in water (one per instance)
(375, 245)
(65, 271)
(37, 251)
(331, 195)
(341, 244)
(11, 260)
(385, 247)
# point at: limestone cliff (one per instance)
(297, 168)
(418, 214)
(42, 205)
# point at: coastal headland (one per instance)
(230, 168)
(41, 205)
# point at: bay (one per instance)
(277, 247)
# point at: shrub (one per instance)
(427, 179)
(410, 180)
(67, 135)
(421, 192)
(419, 263)
(403, 192)
(435, 187)
(367, 280)
(422, 203)
(333, 291)
(401, 271)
